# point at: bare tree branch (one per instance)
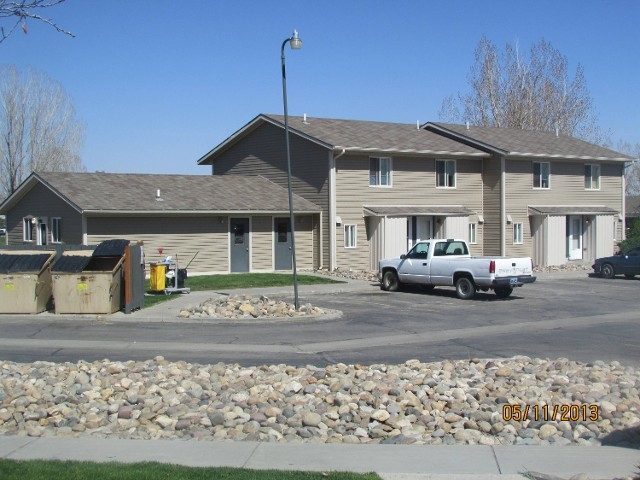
(39, 130)
(20, 11)
(533, 92)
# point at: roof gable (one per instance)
(137, 193)
(355, 136)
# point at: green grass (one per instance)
(235, 281)
(68, 470)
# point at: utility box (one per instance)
(25, 281)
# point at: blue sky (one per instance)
(159, 83)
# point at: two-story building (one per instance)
(383, 186)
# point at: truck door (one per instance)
(414, 268)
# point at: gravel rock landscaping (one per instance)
(450, 402)
(247, 307)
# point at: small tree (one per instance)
(18, 11)
(632, 174)
(39, 130)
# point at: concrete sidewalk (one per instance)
(391, 462)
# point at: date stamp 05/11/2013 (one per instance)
(551, 413)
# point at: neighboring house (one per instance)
(383, 186)
(229, 224)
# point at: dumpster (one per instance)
(25, 281)
(83, 284)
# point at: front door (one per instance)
(282, 240)
(418, 228)
(239, 244)
(575, 237)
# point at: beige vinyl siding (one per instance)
(491, 206)
(414, 183)
(567, 189)
(41, 202)
(262, 244)
(309, 168)
(304, 242)
(180, 237)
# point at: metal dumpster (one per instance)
(25, 281)
(84, 284)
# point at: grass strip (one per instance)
(72, 470)
(236, 281)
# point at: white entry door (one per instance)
(418, 228)
(575, 237)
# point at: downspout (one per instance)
(332, 207)
(482, 207)
(623, 235)
(503, 208)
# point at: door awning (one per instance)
(416, 210)
(571, 210)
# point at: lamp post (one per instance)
(295, 43)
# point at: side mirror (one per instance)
(402, 257)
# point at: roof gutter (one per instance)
(108, 213)
(407, 151)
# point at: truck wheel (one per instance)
(503, 292)
(390, 282)
(465, 288)
(608, 271)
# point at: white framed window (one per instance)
(473, 233)
(56, 230)
(446, 173)
(350, 232)
(591, 177)
(517, 233)
(379, 171)
(27, 229)
(541, 175)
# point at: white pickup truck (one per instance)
(447, 262)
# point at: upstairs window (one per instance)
(380, 172)
(446, 173)
(592, 177)
(541, 174)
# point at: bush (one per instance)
(633, 236)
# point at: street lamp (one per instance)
(295, 43)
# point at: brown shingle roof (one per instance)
(356, 136)
(117, 192)
(530, 143)
(375, 136)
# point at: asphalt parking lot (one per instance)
(563, 315)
